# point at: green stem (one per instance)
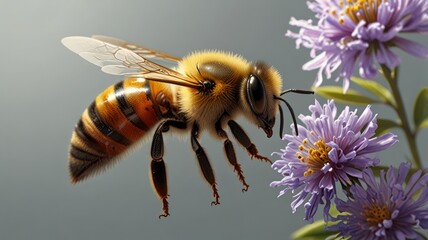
(392, 78)
(422, 235)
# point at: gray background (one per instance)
(45, 88)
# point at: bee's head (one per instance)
(258, 95)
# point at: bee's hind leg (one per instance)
(157, 165)
(204, 163)
(159, 180)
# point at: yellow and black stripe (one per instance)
(116, 119)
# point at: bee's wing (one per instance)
(140, 50)
(118, 60)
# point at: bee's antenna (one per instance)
(281, 124)
(297, 91)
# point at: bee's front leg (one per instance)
(157, 165)
(245, 141)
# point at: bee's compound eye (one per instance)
(256, 94)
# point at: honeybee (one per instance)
(206, 91)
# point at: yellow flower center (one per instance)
(375, 214)
(358, 10)
(316, 155)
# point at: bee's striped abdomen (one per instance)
(115, 120)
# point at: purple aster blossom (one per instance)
(328, 149)
(390, 209)
(360, 32)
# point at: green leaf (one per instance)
(313, 231)
(420, 110)
(383, 125)
(383, 93)
(350, 97)
(333, 211)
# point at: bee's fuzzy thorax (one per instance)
(229, 72)
(207, 108)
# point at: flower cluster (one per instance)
(360, 31)
(335, 151)
(328, 149)
(385, 210)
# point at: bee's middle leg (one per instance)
(230, 154)
(157, 165)
(204, 163)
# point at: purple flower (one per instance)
(329, 149)
(389, 209)
(360, 31)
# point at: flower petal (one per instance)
(411, 47)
